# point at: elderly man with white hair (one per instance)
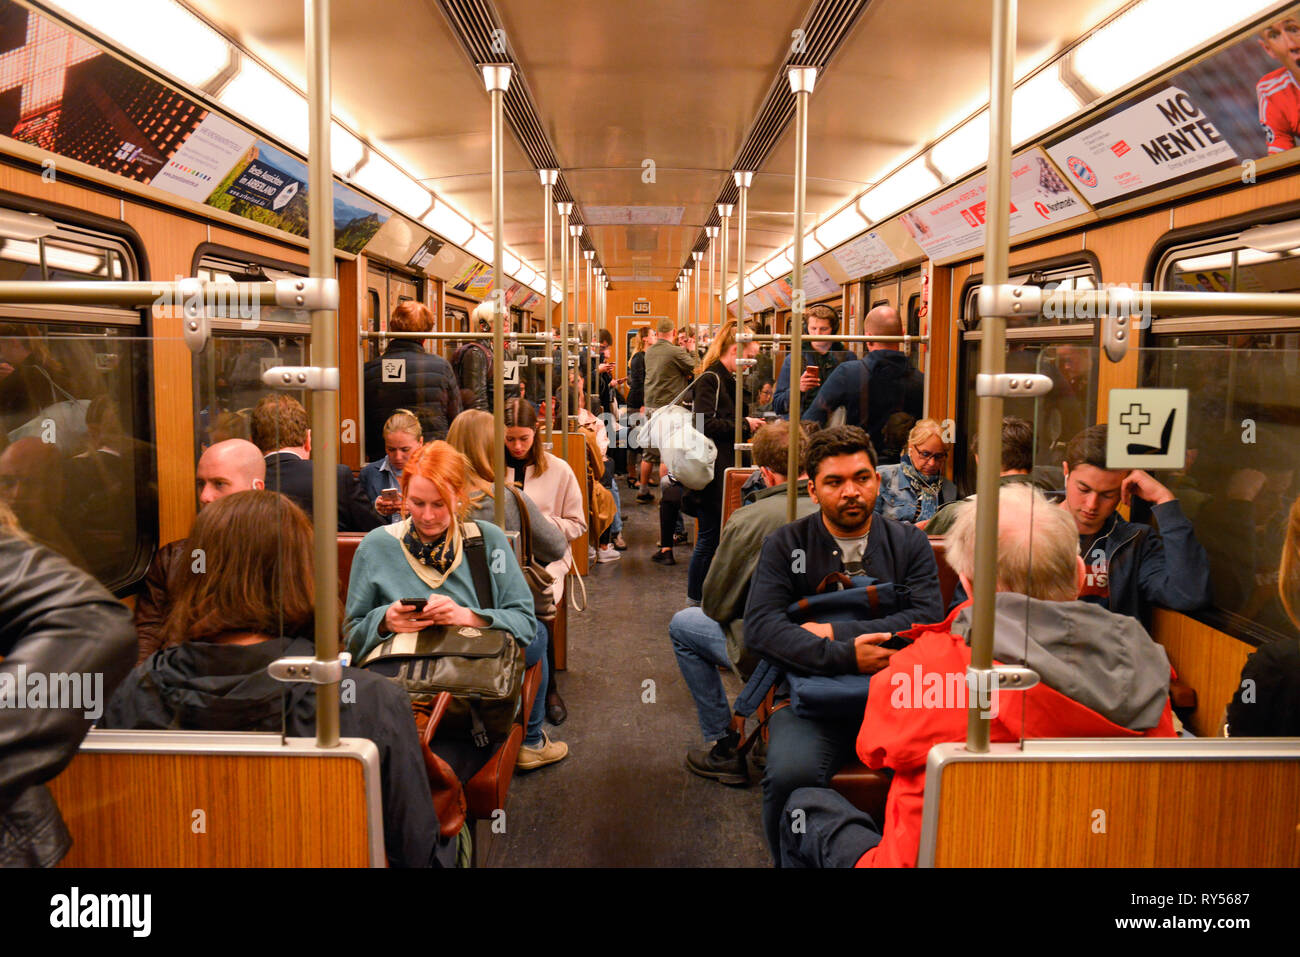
(1100, 674)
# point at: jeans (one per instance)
(701, 648)
(710, 518)
(824, 830)
(800, 753)
(535, 652)
(616, 529)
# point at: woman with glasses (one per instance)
(914, 489)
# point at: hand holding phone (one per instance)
(810, 379)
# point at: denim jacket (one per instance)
(897, 498)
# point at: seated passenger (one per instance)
(279, 429)
(846, 536)
(402, 436)
(1267, 701)
(712, 636)
(894, 434)
(1101, 676)
(54, 619)
(1130, 566)
(424, 555)
(253, 606)
(32, 484)
(234, 465)
(915, 489)
(473, 436)
(1017, 463)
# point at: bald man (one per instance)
(235, 465)
(873, 388)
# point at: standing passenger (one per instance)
(819, 360)
(668, 368)
(407, 377)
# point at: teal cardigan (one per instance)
(381, 575)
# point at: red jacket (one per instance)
(897, 733)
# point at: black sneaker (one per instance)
(663, 558)
(679, 538)
(645, 497)
(721, 762)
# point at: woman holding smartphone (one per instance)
(381, 480)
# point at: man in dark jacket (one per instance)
(235, 465)
(845, 537)
(473, 362)
(1131, 566)
(407, 377)
(207, 686)
(825, 356)
(53, 619)
(884, 376)
(279, 429)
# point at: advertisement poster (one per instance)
(1238, 105)
(865, 255)
(62, 94)
(953, 222)
(817, 282)
(204, 159)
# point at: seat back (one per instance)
(732, 481)
(221, 799)
(1153, 802)
(348, 542)
(575, 453)
(947, 577)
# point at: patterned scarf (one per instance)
(927, 489)
(438, 554)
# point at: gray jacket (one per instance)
(548, 541)
(667, 370)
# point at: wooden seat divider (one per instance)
(1169, 802)
(732, 481)
(221, 799)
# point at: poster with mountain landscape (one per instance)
(269, 186)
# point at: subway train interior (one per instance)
(466, 538)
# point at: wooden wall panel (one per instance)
(352, 310)
(260, 811)
(1206, 659)
(1157, 814)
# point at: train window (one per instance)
(1062, 352)
(77, 465)
(245, 343)
(1243, 379)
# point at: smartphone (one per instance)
(391, 494)
(896, 642)
(812, 370)
(414, 602)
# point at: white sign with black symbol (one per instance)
(511, 376)
(394, 370)
(1147, 429)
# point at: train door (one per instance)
(385, 289)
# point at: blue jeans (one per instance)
(701, 648)
(710, 518)
(616, 529)
(800, 753)
(535, 652)
(822, 829)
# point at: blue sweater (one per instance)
(381, 575)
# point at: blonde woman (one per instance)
(402, 436)
(914, 489)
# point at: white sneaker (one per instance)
(591, 554)
(608, 553)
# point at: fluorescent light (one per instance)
(160, 32)
(898, 191)
(345, 149)
(1040, 103)
(393, 186)
(811, 247)
(965, 148)
(268, 103)
(786, 256)
(1153, 33)
(509, 262)
(526, 274)
(448, 223)
(481, 247)
(844, 225)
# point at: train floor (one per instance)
(624, 797)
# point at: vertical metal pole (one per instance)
(324, 354)
(496, 77)
(713, 255)
(575, 231)
(565, 210)
(549, 176)
(724, 213)
(801, 79)
(588, 371)
(743, 179)
(992, 357)
(698, 274)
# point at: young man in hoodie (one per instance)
(884, 378)
(822, 356)
(1101, 676)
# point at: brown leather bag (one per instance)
(448, 793)
(538, 578)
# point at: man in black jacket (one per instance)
(53, 619)
(279, 429)
(407, 377)
(844, 536)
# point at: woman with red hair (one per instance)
(424, 555)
